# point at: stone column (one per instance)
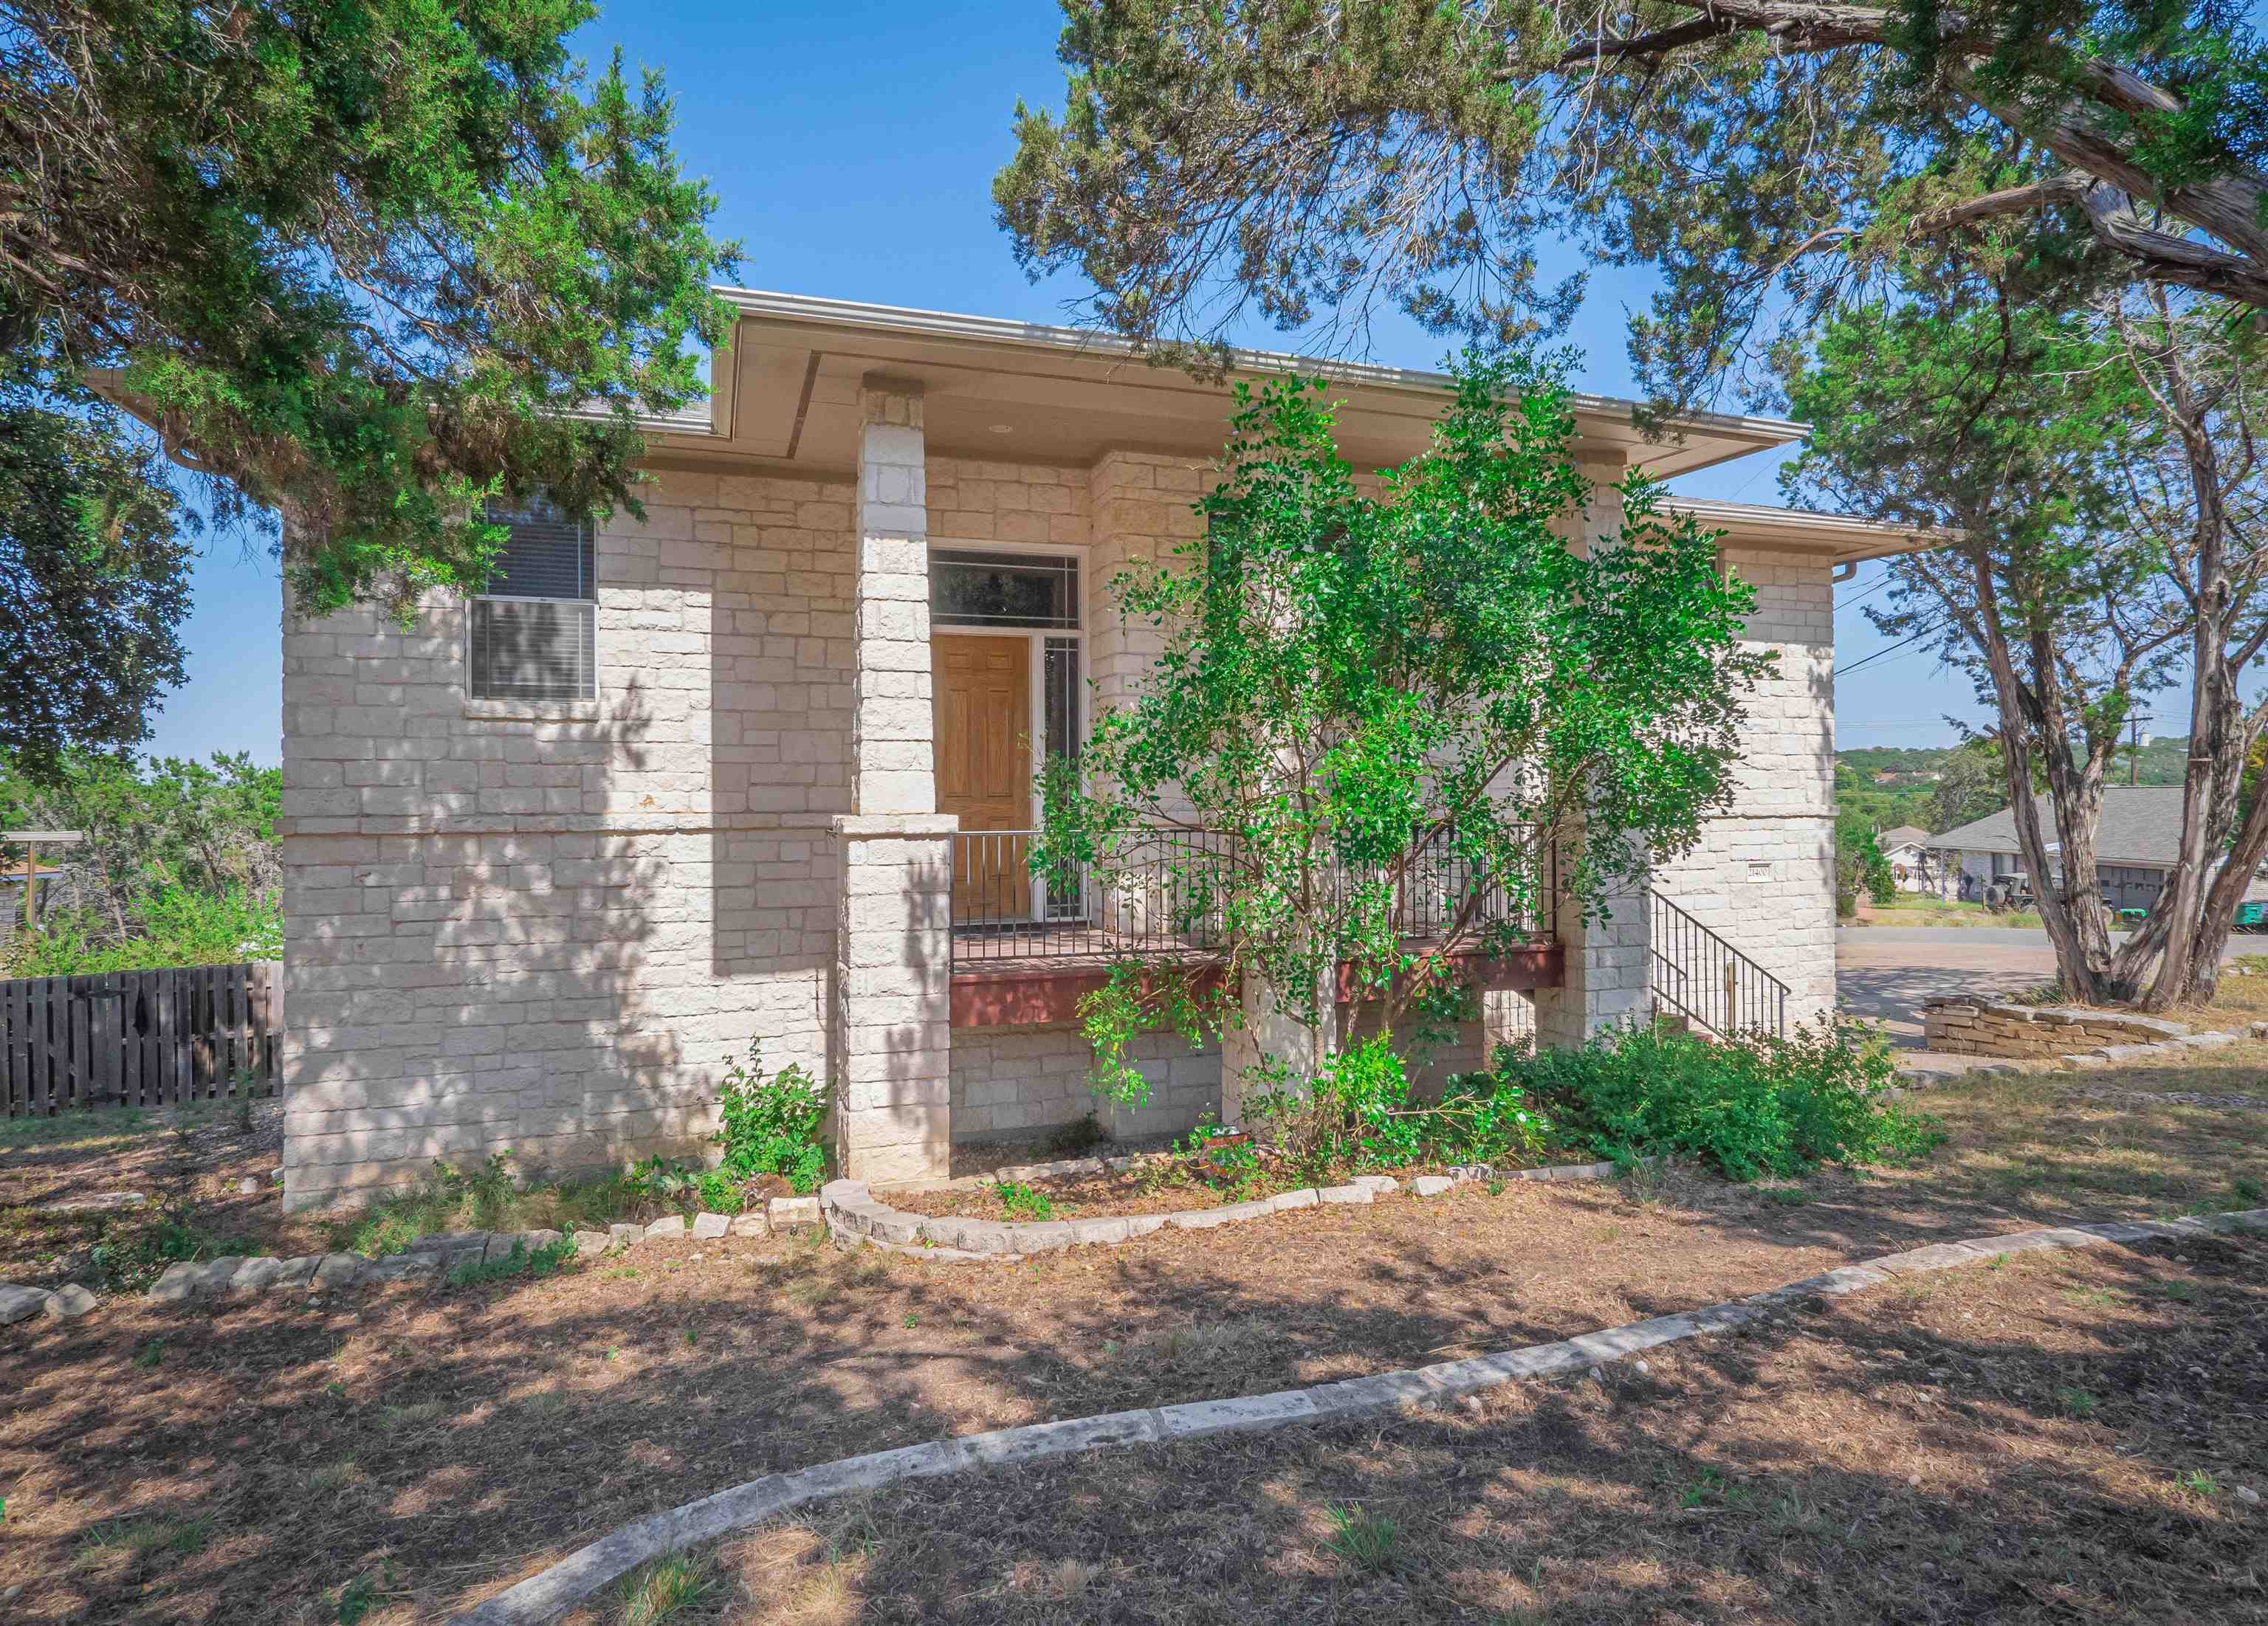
(1607, 960)
(893, 1018)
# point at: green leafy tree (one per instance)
(363, 262)
(1972, 784)
(1372, 704)
(1219, 158)
(93, 579)
(1860, 865)
(180, 866)
(2100, 455)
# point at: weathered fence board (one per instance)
(137, 1038)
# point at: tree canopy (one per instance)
(1314, 163)
(93, 581)
(2099, 451)
(1373, 708)
(364, 262)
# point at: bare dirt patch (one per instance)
(431, 1446)
(2061, 1440)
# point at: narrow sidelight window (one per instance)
(534, 634)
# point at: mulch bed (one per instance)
(2062, 1439)
(433, 1445)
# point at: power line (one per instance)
(1867, 659)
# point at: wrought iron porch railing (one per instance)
(1699, 976)
(1158, 899)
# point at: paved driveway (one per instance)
(1884, 972)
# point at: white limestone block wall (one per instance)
(1764, 876)
(1016, 1083)
(547, 927)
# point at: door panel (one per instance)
(983, 769)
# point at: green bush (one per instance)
(772, 1125)
(1489, 1117)
(1752, 1107)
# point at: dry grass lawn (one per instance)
(2065, 1439)
(404, 1453)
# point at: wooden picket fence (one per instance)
(137, 1038)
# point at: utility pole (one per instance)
(2135, 749)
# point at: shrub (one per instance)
(1354, 1110)
(1019, 1201)
(1489, 1117)
(1754, 1106)
(771, 1125)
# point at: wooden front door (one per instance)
(983, 769)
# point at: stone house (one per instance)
(754, 766)
(2137, 843)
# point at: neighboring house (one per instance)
(1907, 848)
(755, 767)
(2134, 846)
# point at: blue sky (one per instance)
(853, 147)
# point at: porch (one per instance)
(1027, 948)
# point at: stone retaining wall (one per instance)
(1957, 1026)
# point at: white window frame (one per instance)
(477, 704)
(1035, 668)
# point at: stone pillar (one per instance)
(1607, 960)
(892, 1016)
(1267, 1030)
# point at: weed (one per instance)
(358, 1598)
(133, 1254)
(150, 1353)
(2197, 1483)
(661, 1590)
(770, 1125)
(1077, 1139)
(1019, 1201)
(1497, 1187)
(335, 1389)
(2180, 1293)
(334, 1477)
(2077, 1403)
(396, 1418)
(144, 1536)
(913, 1319)
(1364, 1539)
(2247, 1189)
(536, 1263)
(2097, 1297)
(1787, 1196)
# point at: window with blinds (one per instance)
(534, 634)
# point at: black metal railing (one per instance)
(1698, 975)
(1159, 897)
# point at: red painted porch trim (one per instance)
(1040, 994)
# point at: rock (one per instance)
(178, 1284)
(1431, 1185)
(749, 1225)
(591, 1243)
(248, 1185)
(256, 1275)
(2247, 1495)
(294, 1275)
(19, 1304)
(785, 1213)
(94, 1202)
(706, 1227)
(337, 1270)
(218, 1275)
(624, 1235)
(668, 1225)
(449, 1242)
(1377, 1185)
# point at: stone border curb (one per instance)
(551, 1592)
(431, 1257)
(854, 1218)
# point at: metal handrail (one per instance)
(1151, 901)
(1703, 978)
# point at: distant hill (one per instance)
(1896, 785)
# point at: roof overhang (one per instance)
(787, 393)
(1795, 530)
